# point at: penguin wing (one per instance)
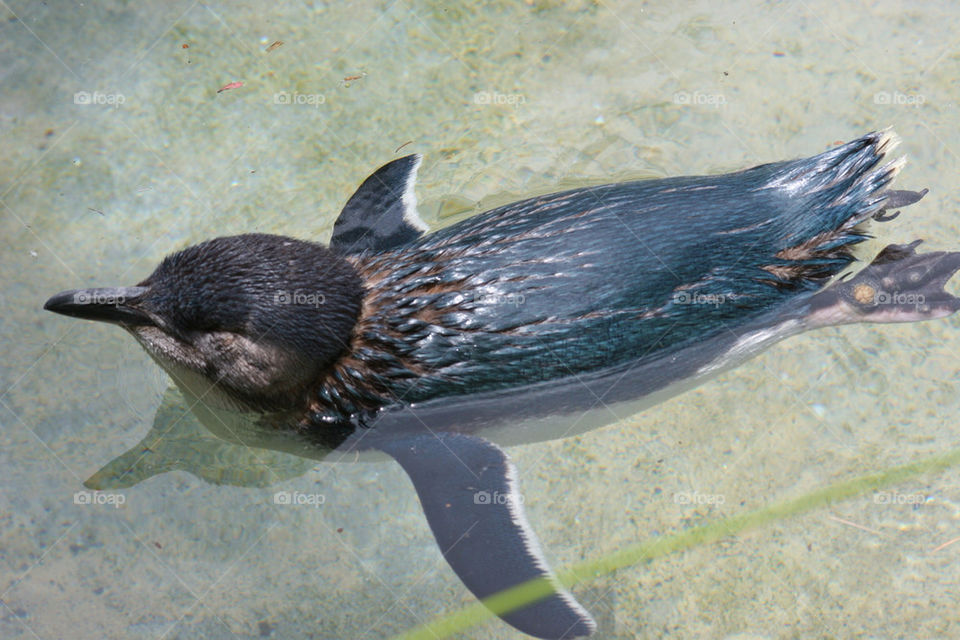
(468, 489)
(382, 214)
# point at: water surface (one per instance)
(118, 150)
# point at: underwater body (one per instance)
(533, 321)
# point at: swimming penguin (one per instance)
(515, 325)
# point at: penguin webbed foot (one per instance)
(900, 285)
(895, 200)
(880, 216)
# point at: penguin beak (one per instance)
(111, 304)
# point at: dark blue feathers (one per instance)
(567, 283)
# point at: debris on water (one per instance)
(854, 525)
(945, 545)
(348, 79)
(233, 85)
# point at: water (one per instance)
(118, 149)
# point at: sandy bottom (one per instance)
(118, 149)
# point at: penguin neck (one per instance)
(378, 364)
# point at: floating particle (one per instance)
(232, 85)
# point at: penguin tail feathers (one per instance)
(845, 185)
(832, 194)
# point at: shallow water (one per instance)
(118, 149)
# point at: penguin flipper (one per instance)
(468, 489)
(382, 214)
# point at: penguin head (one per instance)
(248, 321)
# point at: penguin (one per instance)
(533, 321)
